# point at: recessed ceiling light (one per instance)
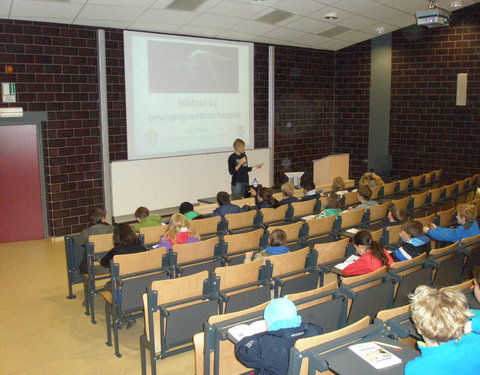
(379, 30)
(331, 16)
(456, 4)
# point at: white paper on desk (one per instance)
(243, 330)
(353, 230)
(375, 355)
(351, 259)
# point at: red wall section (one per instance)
(20, 189)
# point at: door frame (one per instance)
(34, 118)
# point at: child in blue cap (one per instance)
(268, 352)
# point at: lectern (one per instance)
(329, 167)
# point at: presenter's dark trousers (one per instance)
(239, 188)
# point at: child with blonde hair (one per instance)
(441, 317)
(371, 179)
(287, 192)
(178, 232)
(467, 221)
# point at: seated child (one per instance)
(224, 205)
(364, 196)
(440, 316)
(467, 221)
(395, 216)
(97, 225)
(338, 186)
(309, 191)
(178, 232)
(287, 191)
(142, 215)
(372, 255)
(268, 352)
(264, 198)
(278, 239)
(186, 209)
(126, 242)
(334, 205)
(371, 179)
(414, 242)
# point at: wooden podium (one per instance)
(329, 167)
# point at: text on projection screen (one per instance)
(186, 95)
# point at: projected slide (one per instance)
(186, 95)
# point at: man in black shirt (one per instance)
(238, 168)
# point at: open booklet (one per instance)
(375, 355)
(237, 333)
(351, 259)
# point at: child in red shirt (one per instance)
(372, 255)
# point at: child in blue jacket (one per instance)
(467, 221)
(414, 242)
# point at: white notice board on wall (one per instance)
(167, 182)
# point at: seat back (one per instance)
(426, 220)
(450, 265)
(303, 208)
(401, 203)
(310, 342)
(206, 226)
(419, 200)
(289, 262)
(435, 194)
(101, 242)
(291, 230)
(351, 218)
(151, 235)
(205, 208)
(138, 262)
(413, 274)
(377, 235)
(198, 256)
(236, 276)
(449, 190)
(378, 212)
(385, 315)
(417, 180)
(198, 346)
(243, 241)
(472, 244)
(403, 184)
(445, 218)
(241, 220)
(274, 214)
(389, 189)
(351, 198)
(321, 225)
(375, 191)
(391, 235)
(331, 251)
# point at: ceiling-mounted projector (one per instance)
(435, 17)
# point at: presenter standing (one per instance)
(238, 168)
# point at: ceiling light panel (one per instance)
(274, 17)
(103, 12)
(234, 8)
(168, 16)
(185, 5)
(357, 6)
(44, 9)
(302, 7)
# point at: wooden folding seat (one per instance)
(175, 310)
(438, 173)
(270, 216)
(466, 288)
(351, 198)
(449, 263)
(244, 285)
(208, 227)
(97, 246)
(445, 218)
(417, 181)
(303, 345)
(403, 185)
(448, 196)
(295, 271)
(411, 274)
(206, 208)
(73, 272)
(190, 258)
(400, 317)
(300, 209)
(433, 199)
(329, 254)
(471, 245)
(130, 276)
(349, 219)
(401, 203)
(375, 191)
(426, 220)
(319, 230)
(428, 178)
(417, 203)
(198, 352)
(295, 233)
(151, 235)
(370, 293)
(243, 221)
(388, 189)
(376, 215)
(389, 314)
(391, 235)
(236, 245)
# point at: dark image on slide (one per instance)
(192, 68)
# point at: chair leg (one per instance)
(91, 296)
(109, 326)
(142, 357)
(153, 363)
(87, 299)
(115, 337)
(70, 284)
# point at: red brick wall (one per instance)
(352, 94)
(427, 130)
(304, 108)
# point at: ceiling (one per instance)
(284, 22)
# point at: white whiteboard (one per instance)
(167, 182)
